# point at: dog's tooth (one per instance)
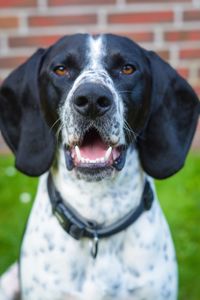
(102, 159)
(114, 139)
(78, 153)
(83, 160)
(87, 160)
(108, 152)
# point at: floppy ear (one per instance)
(173, 119)
(21, 120)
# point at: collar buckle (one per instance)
(69, 224)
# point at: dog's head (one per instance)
(95, 97)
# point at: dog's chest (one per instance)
(128, 265)
(55, 266)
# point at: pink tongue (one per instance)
(95, 150)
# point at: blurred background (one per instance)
(172, 29)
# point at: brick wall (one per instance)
(172, 28)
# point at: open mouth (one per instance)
(94, 153)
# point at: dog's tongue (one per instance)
(93, 149)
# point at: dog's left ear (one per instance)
(174, 114)
(21, 120)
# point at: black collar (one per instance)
(78, 227)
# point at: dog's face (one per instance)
(87, 93)
(98, 95)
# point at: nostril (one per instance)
(92, 100)
(104, 102)
(81, 101)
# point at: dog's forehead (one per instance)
(94, 48)
(121, 44)
(105, 46)
(75, 44)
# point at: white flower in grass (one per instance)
(25, 197)
(10, 171)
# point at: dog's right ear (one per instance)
(173, 118)
(21, 120)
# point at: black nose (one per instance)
(92, 100)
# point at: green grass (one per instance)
(13, 212)
(179, 197)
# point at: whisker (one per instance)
(132, 136)
(58, 133)
(54, 124)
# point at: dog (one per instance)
(97, 117)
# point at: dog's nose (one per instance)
(92, 100)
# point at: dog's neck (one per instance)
(105, 201)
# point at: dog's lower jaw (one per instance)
(98, 200)
(95, 175)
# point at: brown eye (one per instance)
(61, 70)
(128, 69)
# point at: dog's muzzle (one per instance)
(98, 150)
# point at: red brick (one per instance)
(42, 21)
(164, 54)
(190, 53)
(174, 36)
(184, 72)
(197, 90)
(17, 3)
(7, 62)
(143, 36)
(157, 1)
(79, 2)
(33, 41)
(8, 22)
(145, 17)
(146, 36)
(191, 15)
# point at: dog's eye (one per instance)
(61, 70)
(128, 69)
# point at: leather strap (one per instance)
(77, 226)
